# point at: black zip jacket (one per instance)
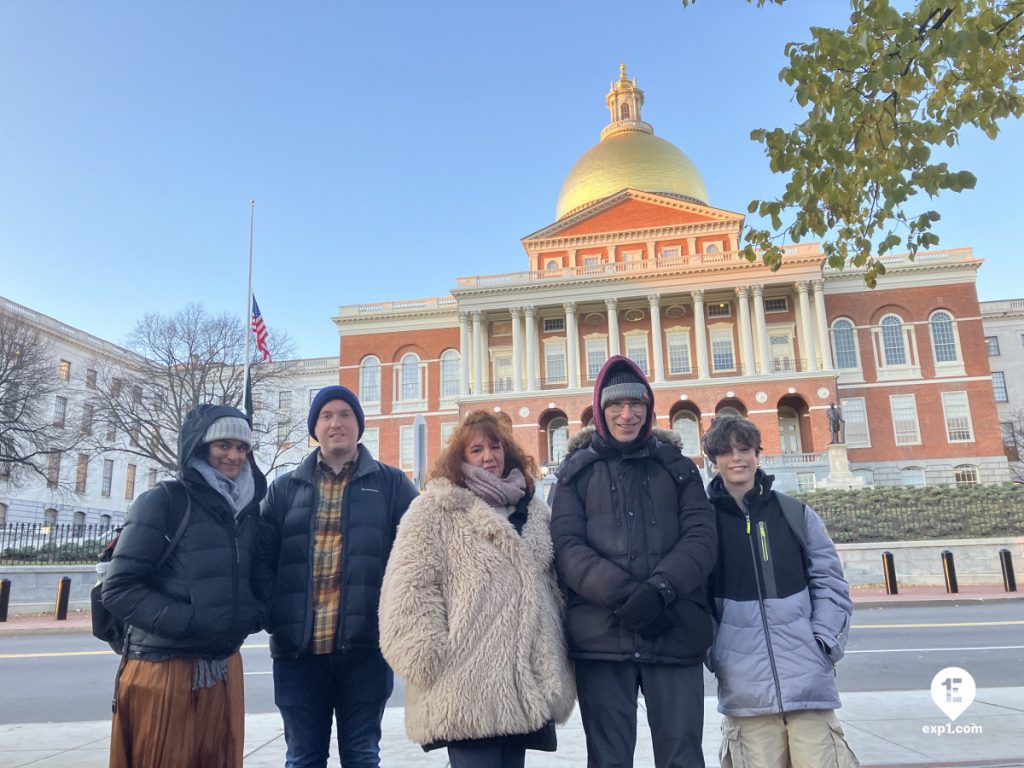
(199, 603)
(375, 499)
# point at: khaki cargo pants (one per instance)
(807, 739)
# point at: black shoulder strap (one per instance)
(174, 488)
(793, 511)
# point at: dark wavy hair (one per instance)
(449, 463)
(728, 429)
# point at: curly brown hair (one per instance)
(449, 463)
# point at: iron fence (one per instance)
(53, 544)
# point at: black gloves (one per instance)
(642, 607)
(660, 626)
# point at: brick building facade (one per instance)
(638, 263)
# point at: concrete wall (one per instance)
(919, 563)
(34, 587)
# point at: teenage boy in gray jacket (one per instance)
(782, 612)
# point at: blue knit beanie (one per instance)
(336, 392)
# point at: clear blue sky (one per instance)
(390, 146)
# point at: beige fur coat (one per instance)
(470, 616)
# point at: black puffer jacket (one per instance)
(199, 603)
(375, 500)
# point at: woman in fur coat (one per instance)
(470, 612)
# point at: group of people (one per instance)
(499, 611)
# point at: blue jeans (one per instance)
(351, 688)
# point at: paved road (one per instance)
(68, 678)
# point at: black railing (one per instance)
(52, 544)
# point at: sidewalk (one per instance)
(884, 729)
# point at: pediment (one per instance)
(631, 210)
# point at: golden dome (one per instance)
(629, 155)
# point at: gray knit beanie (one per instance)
(623, 384)
(229, 428)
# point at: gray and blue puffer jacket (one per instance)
(781, 607)
(374, 501)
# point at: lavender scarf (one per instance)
(496, 491)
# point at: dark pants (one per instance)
(312, 690)
(510, 755)
(674, 696)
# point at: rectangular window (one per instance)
(554, 363)
(108, 477)
(129, 483)
(111, 431)
(284, 402)
(1008, 432)
(904, 419)
(957, 413)
(503, 373)
(856, 416)
(284, 435)
(554, 324)
(678, 353)
(805, 481)
(999, 387)
(90, 378)
(992, 346)
(776, 304)
(597, 353)
(719, 309)
(636, 350)
(446, 432)
(405, 447)
(53, 470)
(88, 414)
(60, 412)
(115, 387)
(672, 252)
(152, 477)
(64, 370)
(722, 353)
(82, 473)
(371, 440)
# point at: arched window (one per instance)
(79, 523)
(3, 514)
(712, 248)
(844, 344)
(867, 474)
(685, 425)
(943, 337)
(553, 264)
(894, 348)
(451, 377)
(105, 521)
(369, 380)
(728, 410)
(50, 516)
(558, 439)
(410, 384)
(965, 474)
(624, 111)
(912, 476)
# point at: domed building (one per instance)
(638, 262)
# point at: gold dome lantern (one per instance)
(629, 155)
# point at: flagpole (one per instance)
(248, 312)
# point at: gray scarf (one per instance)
(237, 493)
(496, 491)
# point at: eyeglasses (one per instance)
(618, 406)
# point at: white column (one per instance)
(572, 344)
(464, 350)
(746, 340)
(517, 352)
(761, 327)
(657, 346)
(700, 334)
(478, 356)
(806, 329)
(824, 344)
(531, 348)
(613, 325)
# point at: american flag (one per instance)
(260, 331)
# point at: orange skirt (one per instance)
(161, 722)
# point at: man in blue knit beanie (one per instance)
(325, 537)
